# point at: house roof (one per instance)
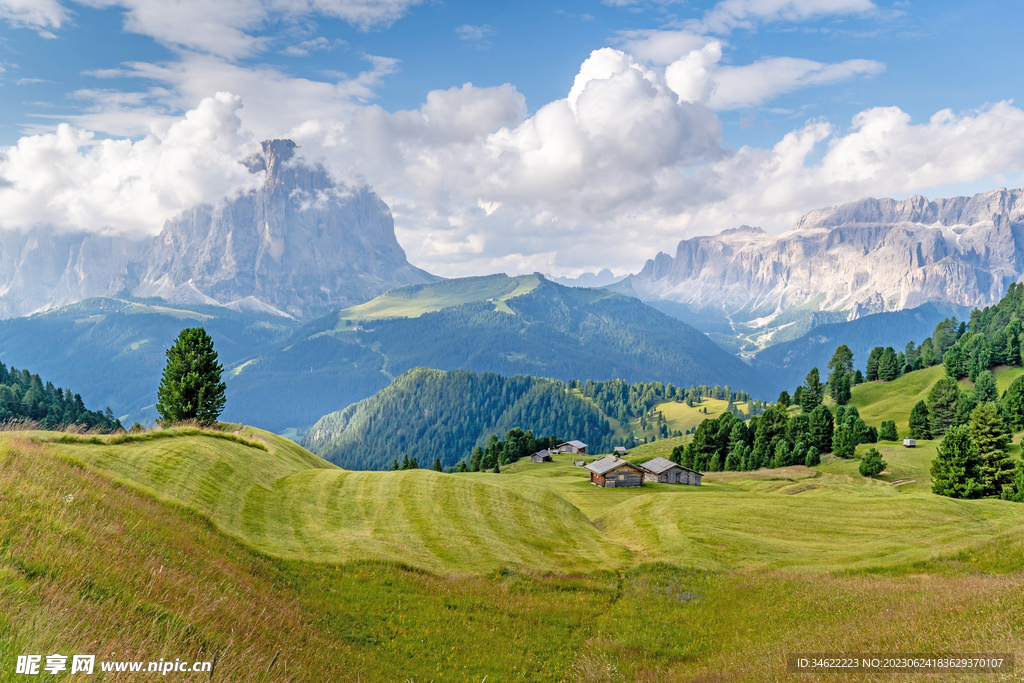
(544, 453)
(609, 463)
(575, 444)
(619, 449)
(659, 465)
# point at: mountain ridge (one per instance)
(864, 257)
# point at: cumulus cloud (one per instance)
(660, 46)
(70, 180)
(698, 77)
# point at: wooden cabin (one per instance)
(579, 463)
(577, 447)
(541, 456)
(613, 472)
(619, 451)
(662, 471)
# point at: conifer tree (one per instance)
(840, 374)
(821, 426)
(496, 469)
(191, 387)
(462, 466)
(813, 391)
(985, 387)
(784, 399)
(437, 465)
(995, 469)
(1013, 402)
(955, 467)
(813, 457)
(781, 458)
(843, 443)
(920, 422)
(888, 432)
(1015, 491)
(394, 465)
(871, 464)
(888, 365)
(942, 400)
(734, 461)
(872, 366)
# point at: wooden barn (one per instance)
(541, 456)
(662, 471)
(613, 472)
(619, 451)
(577, 447)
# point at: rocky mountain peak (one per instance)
(300, 244)
(846, 261)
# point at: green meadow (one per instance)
(240, 545)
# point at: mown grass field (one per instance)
(250, 549)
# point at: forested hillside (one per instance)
(785, 364)
(24, 397)
(430, 414)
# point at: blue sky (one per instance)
(744, 88)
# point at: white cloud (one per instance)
(472, 33)
(40, 15)
(314, 45)
(658, 46)
(731, 14)
(223, 28)
(698, 77)
(70, 180)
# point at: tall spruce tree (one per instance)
(942, 400)
(920, 421)
(955, 467)
(813, 391)
(995, 469)
(191, 388)
(985, 387)
(888, 365)
(871, 373)
(821, 426)
(1013, 402)
(840, 366)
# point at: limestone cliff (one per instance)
(865, 257)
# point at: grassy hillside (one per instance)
(652, 584)
(286, 502)
(415, 300)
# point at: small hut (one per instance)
(576, 447)
(619, 451)
(613, 472)
(909, 443)
(541, 456)
(662, 471)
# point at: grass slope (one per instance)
(286, 502)
(90, 566)
(415, 300)
(90, 561)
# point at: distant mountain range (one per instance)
(300, 245)
(282, 375)
(841, 263)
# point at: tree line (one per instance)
(24, 396)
